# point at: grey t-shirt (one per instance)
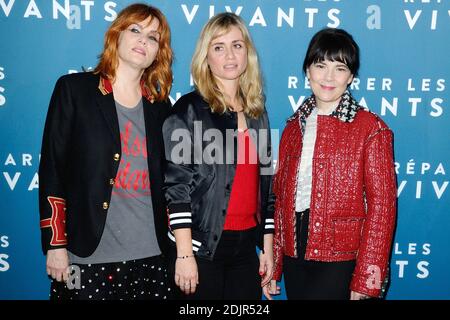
(129, 230)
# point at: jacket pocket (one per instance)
(346, 234)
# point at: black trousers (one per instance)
(142, 279)
(233, 272)
(315, 280)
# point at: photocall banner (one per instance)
(404, 78)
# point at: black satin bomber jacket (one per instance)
(198, 180)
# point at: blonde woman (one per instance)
(218, 178)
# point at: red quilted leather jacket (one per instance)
(353, 195)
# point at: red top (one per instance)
(241, 214)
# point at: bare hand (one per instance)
(58, 264)
(186, 275)
(265, 266)
(271, 288)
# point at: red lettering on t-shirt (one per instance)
(133, 180)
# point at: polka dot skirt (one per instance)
(143, 279)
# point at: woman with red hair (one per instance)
(102, 149)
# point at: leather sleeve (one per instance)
(180, 167)
(267, 173)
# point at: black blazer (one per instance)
(80, 157)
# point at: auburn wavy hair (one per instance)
(250, 82)
(158, 76)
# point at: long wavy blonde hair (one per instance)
(250, 82)
(158, 76)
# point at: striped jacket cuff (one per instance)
(195, 244)
(180, 216)
(269, 226)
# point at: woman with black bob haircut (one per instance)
(335, 186)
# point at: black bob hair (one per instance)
(334, 45)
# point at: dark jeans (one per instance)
(233, 273)
(315, 280)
